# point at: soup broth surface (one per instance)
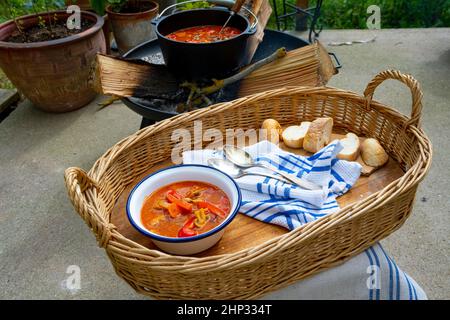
(204, 34)
(185, 209)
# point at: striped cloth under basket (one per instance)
(284, 259)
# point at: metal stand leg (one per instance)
(277, 19)
(313, 13)
(146, 122)
(315, 17)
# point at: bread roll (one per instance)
(351, 147)
(373, 153)
(318, 135)
(293, 136)
(273, 130)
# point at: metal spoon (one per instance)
(235, 172)
(243, 159)
(236, 7)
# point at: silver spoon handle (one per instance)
(300, 182)
(262, 174)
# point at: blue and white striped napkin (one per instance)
(284, 204)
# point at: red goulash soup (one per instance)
(185, 209)
(204, 34)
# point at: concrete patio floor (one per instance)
(41, 235)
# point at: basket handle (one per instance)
(78, 183)
(407, 79)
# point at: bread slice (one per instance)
(273, 130)
(318, 135)
(351, 147)
(373, 153)
(293, 136)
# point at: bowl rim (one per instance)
(186, 239)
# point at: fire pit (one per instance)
(272, 59)
(153, 110)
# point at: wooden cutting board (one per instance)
(244, 232)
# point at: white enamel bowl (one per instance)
(151, 183)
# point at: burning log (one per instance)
(141, 79)
(154, 85)
(307, 66)
(133, 78)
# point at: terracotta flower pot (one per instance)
(54, 74)
(132, 29)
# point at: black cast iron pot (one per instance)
(203, 60)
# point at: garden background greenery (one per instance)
(335, 14)
(352, 14)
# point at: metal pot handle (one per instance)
(218, 2)
(338, 63)
(255, 23)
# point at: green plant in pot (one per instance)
(48, 59)
(130, 20)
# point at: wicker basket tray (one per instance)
(284, 257)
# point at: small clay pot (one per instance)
(132, 29)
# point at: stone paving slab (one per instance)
(8, 97)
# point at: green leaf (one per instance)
(98, 6)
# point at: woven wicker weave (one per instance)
(281, 260)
